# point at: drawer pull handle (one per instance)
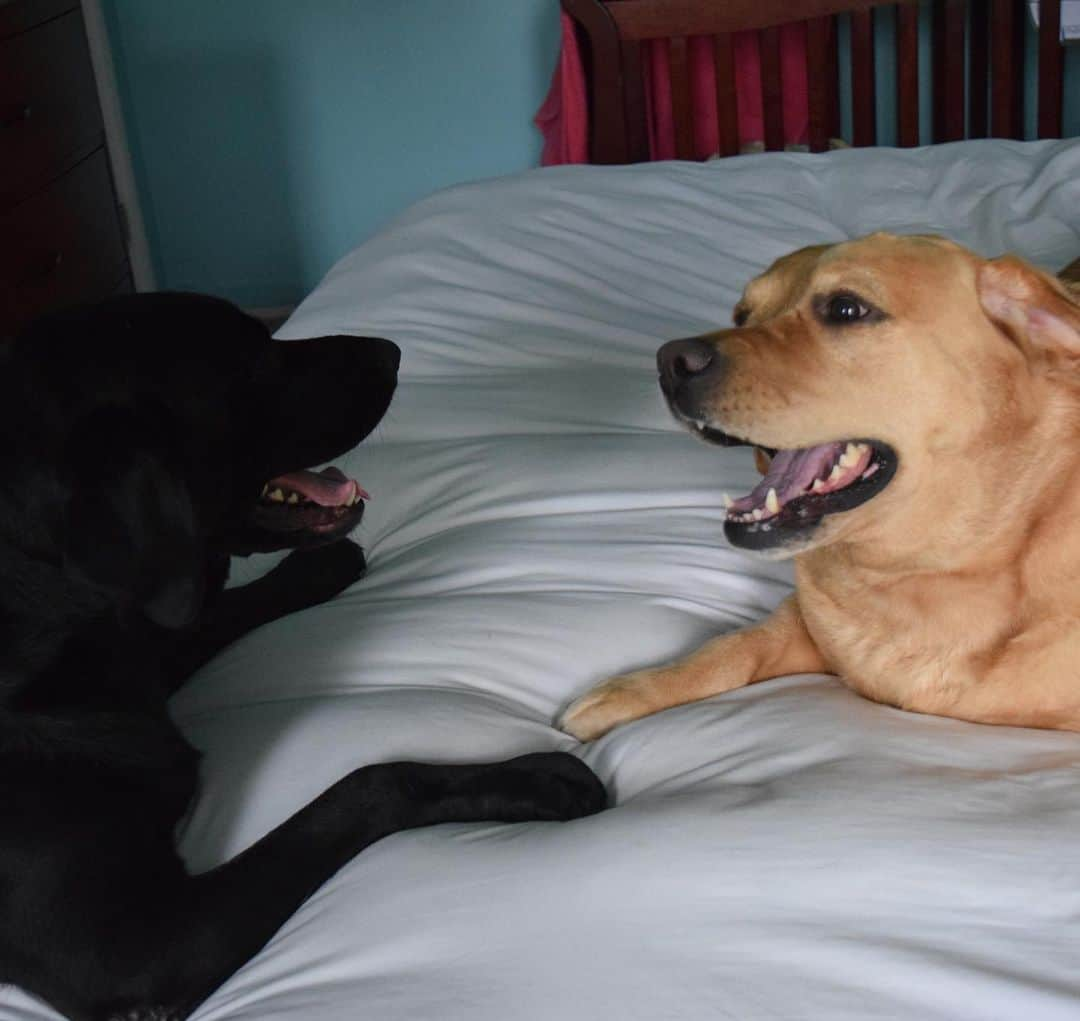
(17, 115)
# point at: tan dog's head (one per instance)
(890, 384)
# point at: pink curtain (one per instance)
(563, 119)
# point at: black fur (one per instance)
(135, 438)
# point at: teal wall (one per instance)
(271, 136)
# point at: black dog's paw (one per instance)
(565, 787)
(542, 786)
(309, 577)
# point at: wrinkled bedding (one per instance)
(538, 522)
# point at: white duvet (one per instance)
(539, 523)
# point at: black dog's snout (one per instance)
(678, 360)
(388, 354)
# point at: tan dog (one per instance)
(916, 410)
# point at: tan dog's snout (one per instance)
(689, 368)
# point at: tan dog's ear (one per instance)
(1031, 306)
(1070, 277)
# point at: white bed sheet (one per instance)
(538, 523)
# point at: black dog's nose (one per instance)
(387, 353)
(679, 359)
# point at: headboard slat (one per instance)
(834, 84)
(1004, 76)
(978, 70)
(907, 75)
(607, 100)
(863, 98)
(772, 92)
(950, 19)
(820, 71)
(1051, 69)
(637, 134)
(680, 98)
(727, 110)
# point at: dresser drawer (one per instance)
(19, 15)
(64, 245)
(49, 113)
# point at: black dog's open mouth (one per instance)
(801, 486)
(322, 506)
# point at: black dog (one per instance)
(144, 440)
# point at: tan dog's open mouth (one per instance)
(801, 486)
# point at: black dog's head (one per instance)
(146, 432)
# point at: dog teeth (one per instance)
(277, 496)
(818, 486)
(851, 455)
(772, 503)
(728, 502)
(265, 490)
(293, 498)
(758, 514)
(835, 474)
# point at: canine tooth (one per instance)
(265, 489)
(772, 504)
(293, 498)
(835, 473)
(277, 496)
(727, 500)
(818, 486)
(850, 456)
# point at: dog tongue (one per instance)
(328, 488)
(790, 473)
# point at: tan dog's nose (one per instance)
(678, 360)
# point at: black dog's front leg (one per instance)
(303, 579)
(162, 941)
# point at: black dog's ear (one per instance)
(130, 523)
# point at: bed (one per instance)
(538, 523)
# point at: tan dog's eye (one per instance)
(844, 308)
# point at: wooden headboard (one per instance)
(985, 98)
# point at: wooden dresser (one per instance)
(62, 232)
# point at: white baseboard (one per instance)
(142, 269)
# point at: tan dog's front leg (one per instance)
(779, 645)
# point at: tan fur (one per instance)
(955, 590)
